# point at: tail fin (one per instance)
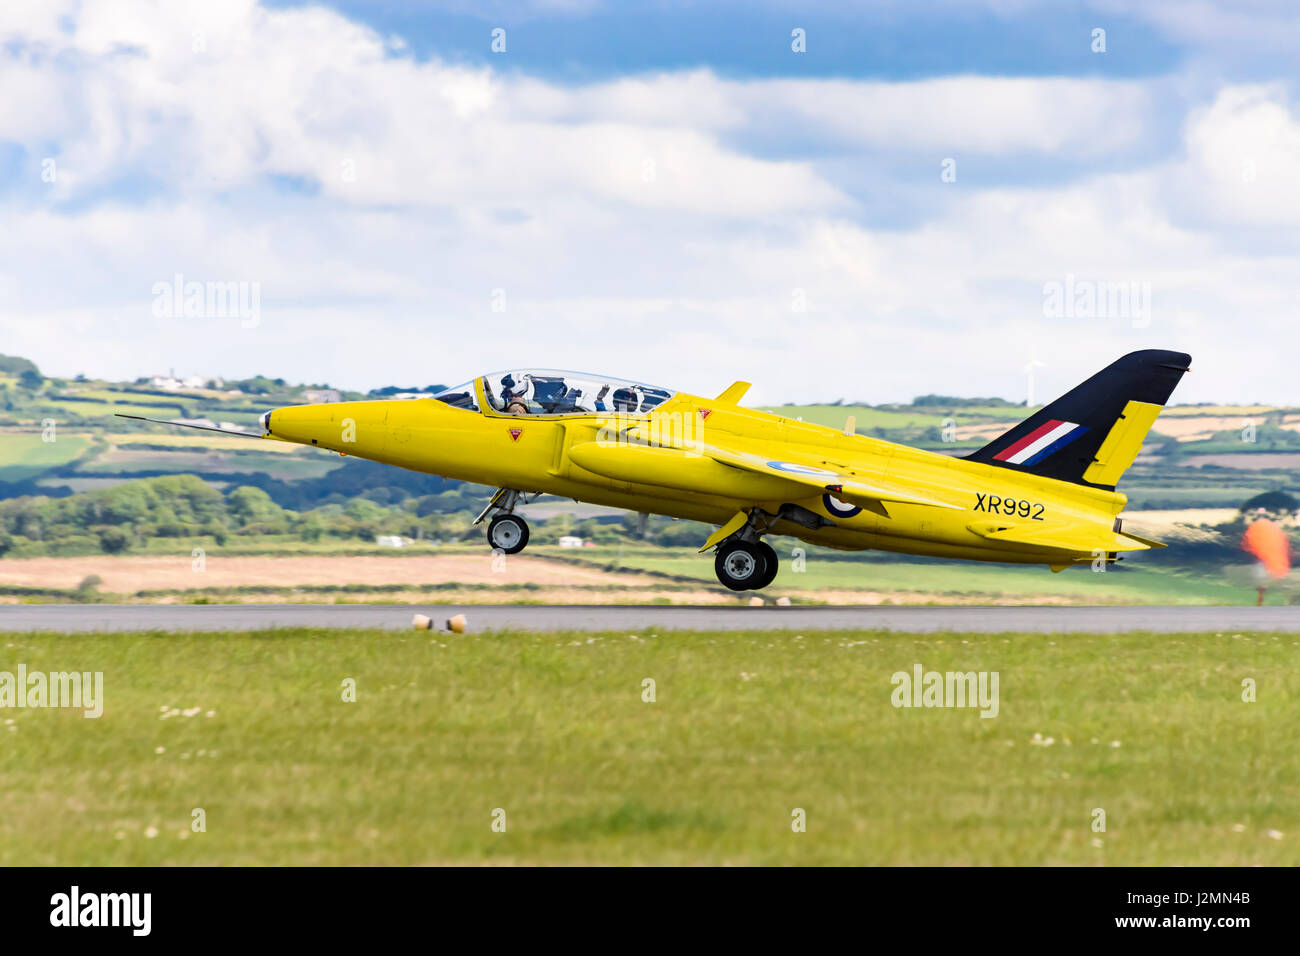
(1092, 433)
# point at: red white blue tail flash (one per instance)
(1042, 441)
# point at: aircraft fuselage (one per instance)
(658, 469)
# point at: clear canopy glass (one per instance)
(460, 396)
(554, 392)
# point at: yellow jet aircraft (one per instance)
(1042, 493)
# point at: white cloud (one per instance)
(632, 230)
(1243, 156)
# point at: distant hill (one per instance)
(355, 479)
(14, 365)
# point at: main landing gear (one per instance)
(507, 532)
(744, 562)
(745, 565)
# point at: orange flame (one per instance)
(1267, 542)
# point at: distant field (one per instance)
(24, 455)
(552, 730)
(214, 462)
(1165, 520)
(353, 570)
(904, 581)
(1200, 426)
(214, 442)
(77, 485)
(137, 398)
(100, 410)
(1258, 460)
(835, 415)
(1198, 410)
(127, 573)
(1197, 498)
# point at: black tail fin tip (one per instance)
(1063, 440)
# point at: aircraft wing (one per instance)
(854, 489)
(1068, 536)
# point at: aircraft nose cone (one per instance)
(265, 421)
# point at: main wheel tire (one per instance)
(771, 565)
(508, 534)
(740, 565)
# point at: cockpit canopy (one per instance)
(554, 392)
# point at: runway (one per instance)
(647, 618)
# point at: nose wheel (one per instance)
(745, 565)
(508, 534)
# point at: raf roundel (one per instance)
(795, 469)
(839, 509)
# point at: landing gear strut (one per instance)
(507, 532)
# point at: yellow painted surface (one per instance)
(1122, 443)
(704, 459)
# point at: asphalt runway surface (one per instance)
(647, 618)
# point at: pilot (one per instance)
(625, 400)
(515, 397)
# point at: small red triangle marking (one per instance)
(705, 413)
(515, 433)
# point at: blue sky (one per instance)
(586, 42)
(662, 191)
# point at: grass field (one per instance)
(276, 569)
(868, 418)
(918, 582)
(102, 410)
(24, 455)
(214, 462)
(745, 729)
(211, 441)
(114, 396)
(834, 416)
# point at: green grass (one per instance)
(1135, 584)
(106, 411)
(213, 463)
(872, 418)
(835, 415)
(1231, 496)
(745, 729)
(114, 396)
(26, 455)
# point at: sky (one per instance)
(864, 202)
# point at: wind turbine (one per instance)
(1029, 374)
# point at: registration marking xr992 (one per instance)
(1010, 507)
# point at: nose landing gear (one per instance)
(507, 532)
